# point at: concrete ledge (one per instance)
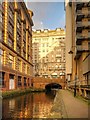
(14, 93)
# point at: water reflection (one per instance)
(33, 105)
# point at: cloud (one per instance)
(38, 25)
(47, 15)
(41, 11)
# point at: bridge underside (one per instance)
(53, 86)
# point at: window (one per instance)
(58, 60)
(28, 70)
(10, 28)
(25, 81)
(60, 66)
(18, 25)
(0, 16)
(24, 54)
(1, 56)
(29, 58)
(11, 13)
(19, 64)
(56, 66)
(43, 50)
(10, 43)
(24, 68)
(2, 82)
(24, 34)
(19, 81)
(18, 39)
(11, 60)
(24, 45)
(18, 49)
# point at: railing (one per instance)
(85, 86)
(80, 83)
(58, 68)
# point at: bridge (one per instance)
(45, 83)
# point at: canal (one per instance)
(32, 105)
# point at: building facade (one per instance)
(15, 46)
(78, 44)
(49, 53)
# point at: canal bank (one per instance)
(15, 93)
(68, 106)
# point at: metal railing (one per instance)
(80, 83)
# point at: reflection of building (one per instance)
(15, 46)
(49, 53)
(78, 42)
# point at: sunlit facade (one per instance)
(78, 44)
(15, 46)
(49, 53)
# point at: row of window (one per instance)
(19, 80)
(39, 39)
(11, 30)
(11, 61)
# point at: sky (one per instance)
(47, 15)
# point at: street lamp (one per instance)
(71, 52)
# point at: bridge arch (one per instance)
(53, 85)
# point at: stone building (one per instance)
(15, 46)
(49, 53)
(78, 44)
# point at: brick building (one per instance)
(15, 45)
(49, 53)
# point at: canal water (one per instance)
(32, 105)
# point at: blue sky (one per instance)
(47, 15)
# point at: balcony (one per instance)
(79, 5)
(82, 24)
(80, 38)
(79, 27)
(79, 50)
(86, 64)
(82, 14)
